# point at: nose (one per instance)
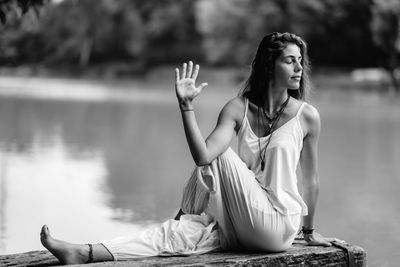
(298, 67)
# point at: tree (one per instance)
(75, 30)
(231, 29)
(171, 31)
(386, 35)
(132, 32)
(19, 7)
(337, 31)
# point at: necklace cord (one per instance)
(270, 131)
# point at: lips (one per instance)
(296, 77)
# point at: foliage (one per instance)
(90, 31)
(385, 26)
(386, 30)
(231, 29)
(18, 6)
(338, 30)
(219, 32)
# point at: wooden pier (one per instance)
(340, 254)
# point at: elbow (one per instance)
(202, 162)
(203, 157)
(312, 183)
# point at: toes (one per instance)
(44, 231)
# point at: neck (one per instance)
(274, 100)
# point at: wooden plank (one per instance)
(298, 255)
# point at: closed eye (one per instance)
(291, 59)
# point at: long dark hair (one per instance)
(262, 68)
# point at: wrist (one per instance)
(185, 105)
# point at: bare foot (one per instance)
(65, 252)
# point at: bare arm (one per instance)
(309, 167)
(309, 163)
(203, 151)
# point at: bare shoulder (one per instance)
(234, 109)
(310, 113)
(235, 103)
(311, 120)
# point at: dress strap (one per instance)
(246, 104)
(300, 109)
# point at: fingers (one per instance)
(326, 244)
(196, 71)
(201, 86)
(190, 69)
(319, 243)
(184, 70)
(334, 239)
(177, 75)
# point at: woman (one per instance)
(253, 196)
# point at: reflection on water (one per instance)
(95, 170)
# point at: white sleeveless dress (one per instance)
(281, 159)
(232, 204)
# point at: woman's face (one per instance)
(288, 69)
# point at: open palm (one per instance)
(185, 84)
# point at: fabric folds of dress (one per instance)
(229, 192)
(192, 234)
(231, 203)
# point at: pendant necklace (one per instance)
(271, 123)
(271, 120)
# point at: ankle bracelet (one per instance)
(306, 231)
(90, 260)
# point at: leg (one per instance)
(243, 210)
(68, 253)
(197, 190)
(191, 234)
(205, 192)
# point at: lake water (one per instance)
(93, 168)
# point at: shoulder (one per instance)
(234, 109)
(236, 102)
(310, 113)
(234, 106)
(311, 119)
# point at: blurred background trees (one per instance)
(385, 27)
(139, 34)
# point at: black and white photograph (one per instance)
(200, 132)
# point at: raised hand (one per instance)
(185, 85)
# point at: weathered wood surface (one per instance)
(298, 255)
